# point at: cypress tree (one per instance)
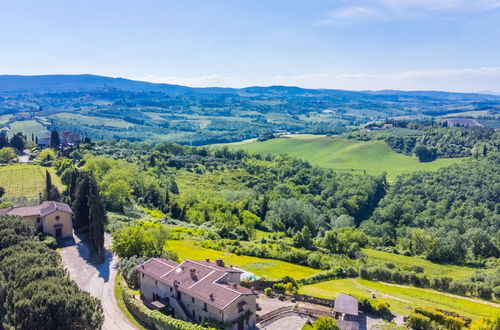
(48, 184)
(81, 201)
(54, 139)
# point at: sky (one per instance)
(451, 45)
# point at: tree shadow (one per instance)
(101, 263)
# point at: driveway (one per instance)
(98, 280)
(25, 157)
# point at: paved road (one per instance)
(98, 280)
(25, 157)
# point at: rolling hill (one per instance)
(371, 157)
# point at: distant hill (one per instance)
(117, 108)
(17, 84)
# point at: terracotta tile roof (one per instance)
(203, 280)
(41, 209)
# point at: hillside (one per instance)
(144, 111)
(371, 157)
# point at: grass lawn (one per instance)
(400, 299)
(26, 180)
(371, 157)
(121, 303)
(261, 267)
(430, 268)
(28, 127)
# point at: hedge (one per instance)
(153, 318)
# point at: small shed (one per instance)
(345, 310)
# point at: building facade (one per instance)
(50, 217)
(198, 291)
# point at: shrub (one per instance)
(268, 292)
(419, 322)
(382, 308)
(155, 319)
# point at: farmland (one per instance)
(94, 121)
(25, 180)
(28, 127)
(431, 269)
(261, 267)
(402, 299)
(370, 157)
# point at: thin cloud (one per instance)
(352, 14)
(428, 74)
(201, 81)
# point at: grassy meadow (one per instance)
(401, 300)
(26, 180)
(430, 269)
(371, 157)
(268, 268)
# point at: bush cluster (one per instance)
(155, 319)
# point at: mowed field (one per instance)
(371, 157)
(272, 269)
(402, 299)
(26, 180)
(430, 269)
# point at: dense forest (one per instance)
(450, 215)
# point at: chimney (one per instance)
(235, 285)
(207, 259)
(192, 271)
(40, 198)
(212, 297)
(219, 262)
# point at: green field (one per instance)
(28, 127)
(94, 121)
(430, 269)
(268, 268)
(26, 180)
(401, 299)
(371, 157)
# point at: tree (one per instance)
(425, 154)
(97, 218)
(81, 201)
(322, 323)
(117, 195)
(17, 142)
(48, 184)
(303, 239)
(55, 141)
(2, 191)
(46, 157)
(7, 155)
(4, 140)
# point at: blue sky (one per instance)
(358, 44)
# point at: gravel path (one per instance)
(98, 280)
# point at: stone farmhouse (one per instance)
(198, 291)
(53, 218)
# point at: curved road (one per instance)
(98, 280)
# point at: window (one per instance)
(170, 289)
(156, 282)
(142, 274)
(58, 218)
(192, 299)
(205, 307)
